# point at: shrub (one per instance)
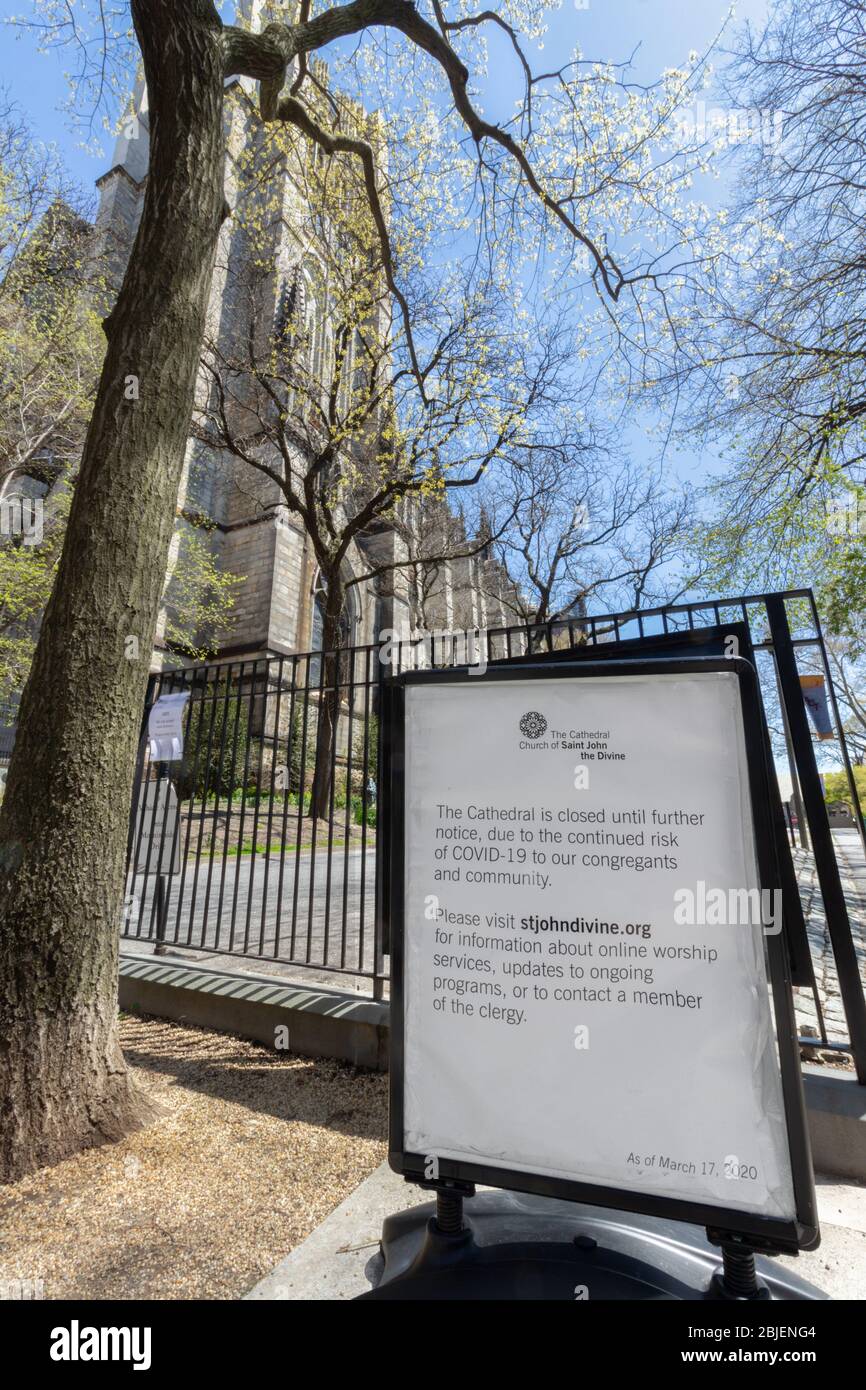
(216, 739)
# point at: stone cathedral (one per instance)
(278, 601)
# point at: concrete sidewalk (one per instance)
(852, 871)
(341, 1258)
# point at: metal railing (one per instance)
(261, 842)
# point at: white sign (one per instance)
(584, 981)
(165, 728)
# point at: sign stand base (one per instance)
(738, 1280)
(512, 1245)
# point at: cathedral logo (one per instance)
(533, 724)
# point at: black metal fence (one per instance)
(261, 841)
(226, 854)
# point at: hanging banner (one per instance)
(581, 976)
(815, 697)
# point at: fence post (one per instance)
(139, 772)
(843, 742)
(161, 914)
(792, 767)
(838, 923)
(381, 915)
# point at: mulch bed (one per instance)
(252, 1152)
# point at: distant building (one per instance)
(278, 606)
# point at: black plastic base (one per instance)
(516, 1246)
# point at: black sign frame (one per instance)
(767, 1234)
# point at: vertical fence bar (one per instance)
(211, 695)
(151, 836)
(381, 915)
(332, 799)
(275, 748)
(290, 739)
(218, 780)
(161, 915)
(314, 819)
(242, 695)
(365, 795)
(185, 680)
(134, 829)
(136, 823)
(193, 784)
(843, 742)
(349, 820)
(835, 907)
(230, 811)
(301, 795)
(792, 765)
(266, 692)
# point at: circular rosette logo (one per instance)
(533, 724)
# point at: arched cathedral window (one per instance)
(301, 328)
(290, 308)
(314, 324)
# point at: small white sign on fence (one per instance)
(165, 728)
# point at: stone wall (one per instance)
(253, 536)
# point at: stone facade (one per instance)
(251, 532)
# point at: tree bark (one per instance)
(63, 822)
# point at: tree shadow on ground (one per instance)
(308, 1090)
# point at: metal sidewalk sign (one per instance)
(591, 990)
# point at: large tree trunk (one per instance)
(63, 821)
(327, 721)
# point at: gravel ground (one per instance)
(253, 1150)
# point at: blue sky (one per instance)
(656, 33)
(652, 34)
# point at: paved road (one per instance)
(249, 905)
